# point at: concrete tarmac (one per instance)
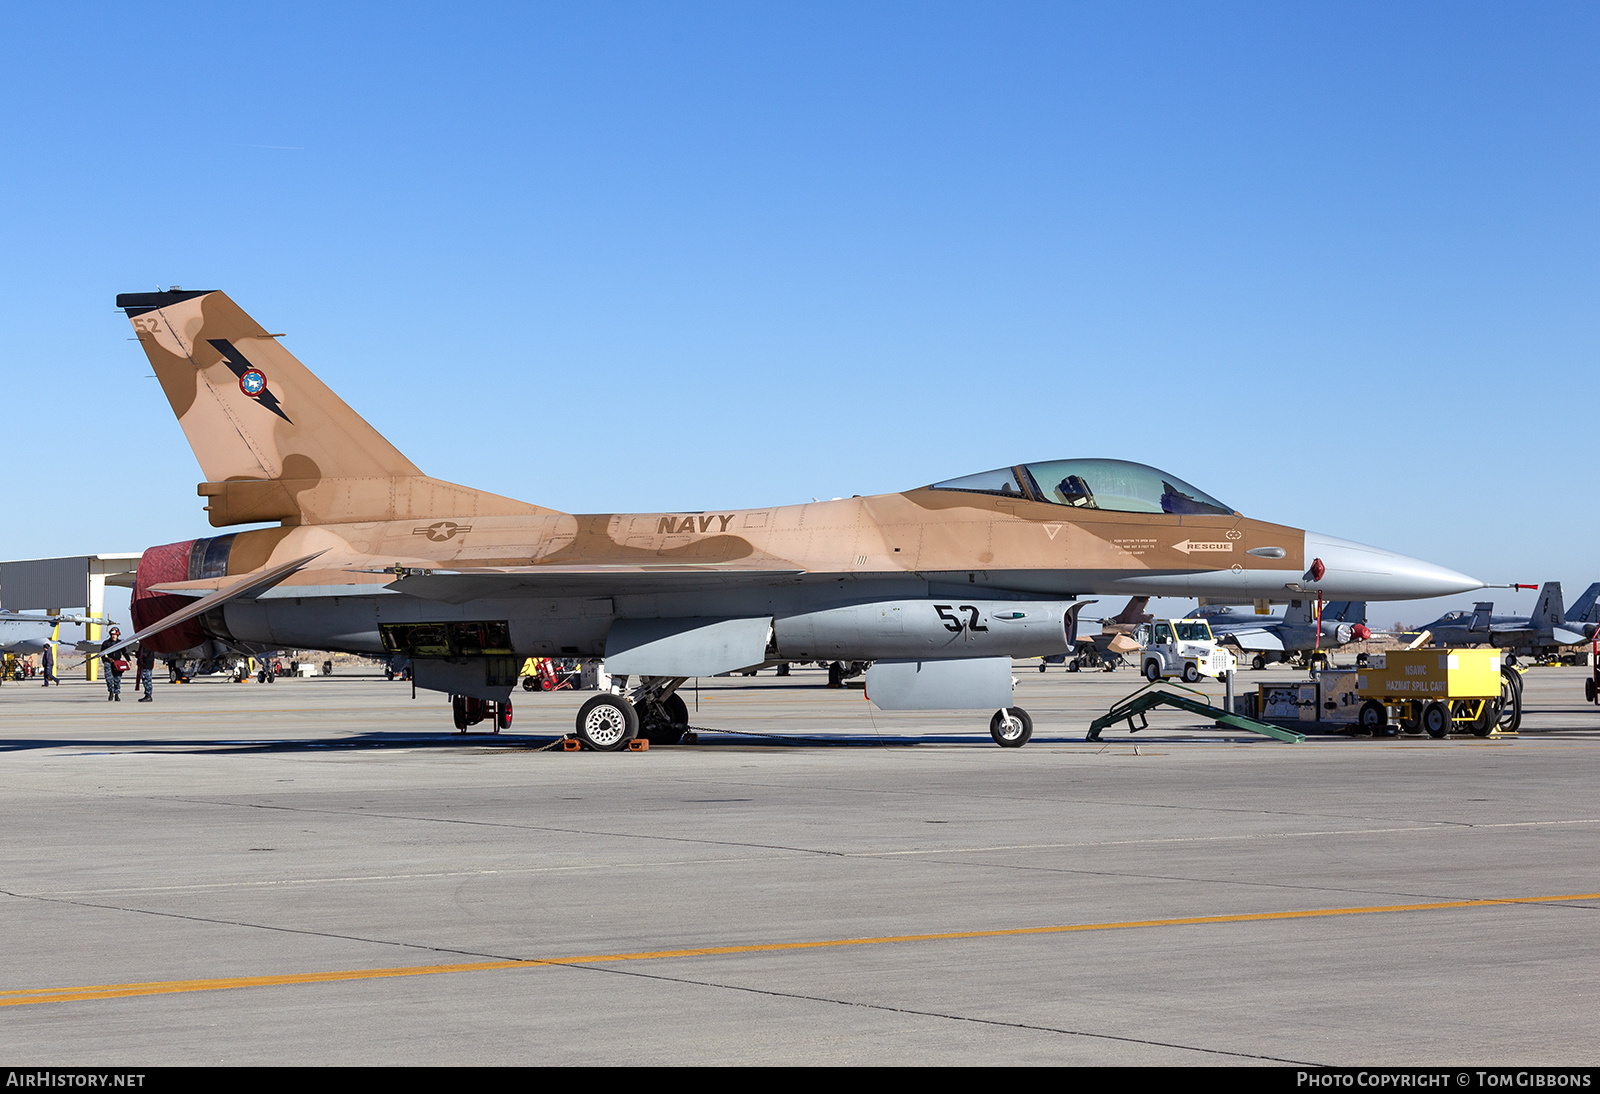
(323, 872)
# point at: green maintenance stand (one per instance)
(1166, 695)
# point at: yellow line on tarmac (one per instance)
(22, 996)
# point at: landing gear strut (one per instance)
(467, 711)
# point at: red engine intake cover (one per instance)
(156, 565)
(1361, 632)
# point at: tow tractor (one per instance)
(1181, 647)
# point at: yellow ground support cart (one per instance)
(1438, 690)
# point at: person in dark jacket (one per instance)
(109, 664)
(147, 667)
(47, 665)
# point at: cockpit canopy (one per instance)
(1117, 486)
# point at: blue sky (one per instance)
(1335, 264)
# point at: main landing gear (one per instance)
(653, 711)
(469, 712)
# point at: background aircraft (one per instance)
(1106, 649)
(1540, 635)
(940, 587)
(25, 633)
(1293, 636)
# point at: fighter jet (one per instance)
(1541, 635)
(1295, 636)
(1106, 650)
(24, 633)
(938, 586)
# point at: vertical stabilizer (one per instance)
(273, 441)
(1585, 609)
(1548, 613)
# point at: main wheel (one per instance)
(606, 723)
(1011, 727)
(1191, 673)
(1258, 662)
(458, 711)
(1152, 671)
(502, 715)
(1589, 690)
(1372, 717)
(835, 675)
(666, 727)
(1435, 720)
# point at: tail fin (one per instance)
(1133, 611)
(1346, 611)
(1548, 611)
(274, 442)
(1584, 609)
(1482, 616)
(1299, 611)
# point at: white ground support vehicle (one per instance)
(1181, 647)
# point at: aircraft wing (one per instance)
(1255, 639)
(460, 586)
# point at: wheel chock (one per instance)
(638, 744)
(571, 744)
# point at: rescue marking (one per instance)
(23, 996)
(1188, 546)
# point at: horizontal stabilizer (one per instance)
(1257, 641)
(246, 586)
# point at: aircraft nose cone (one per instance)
(1371, 573)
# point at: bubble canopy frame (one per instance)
(1117, 486)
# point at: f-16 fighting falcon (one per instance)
(938, 587)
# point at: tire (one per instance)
(670, 731)
(1511, 660)
(1074, 665)
(1362, 660)
(1190, 674)
(1410, 720)
(1589, 691)
(1011, 727)
(529, 683)
(607, 723)
(1436, 720)
(1487, 719)
(1372, 717)
(835, 674)
(458, 711)
(1152, 671)
(502, 715)
(1258, 662)
(783, 669)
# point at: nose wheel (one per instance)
(1011, 727)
